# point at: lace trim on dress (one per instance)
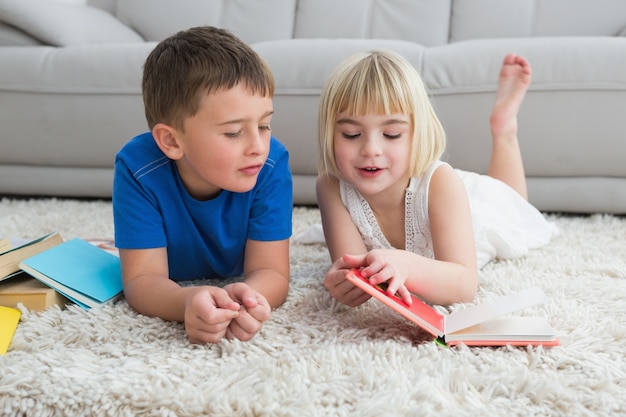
(418, 238)
(417, 224)
(363, 217)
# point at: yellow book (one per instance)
(9, 317)
(27, 290)
(11, 257)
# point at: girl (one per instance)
(392, 208)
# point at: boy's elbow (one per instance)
(278, 295)
(278, 302)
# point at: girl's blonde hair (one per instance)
(380, 82)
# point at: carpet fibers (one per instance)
(315, 357)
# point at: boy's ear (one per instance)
(166, 138)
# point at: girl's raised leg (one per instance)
(506, 158)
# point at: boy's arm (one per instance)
(149, 291)
(266, 269)
(147, 287)
(266, 284)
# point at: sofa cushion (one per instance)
(521, 18)
(572, 110)
(12, 36)
(60, 24)
(251, 20)
(421, 21)
(62, 101)
(108, 5)
(304, 64)
(563, 63)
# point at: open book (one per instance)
(82, 272)
(11, 257)
(479, 325)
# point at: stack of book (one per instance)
(49, 271)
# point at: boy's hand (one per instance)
(208, 313)
(254, 311)
(341, 289)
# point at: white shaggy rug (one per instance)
(317, 358)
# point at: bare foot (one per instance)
(513, 83)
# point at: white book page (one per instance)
(506, 329)
(470, 316)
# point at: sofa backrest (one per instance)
(426, 22)
(473, 19)
(251, 20)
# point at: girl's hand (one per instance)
(340, 288)
(385, 265)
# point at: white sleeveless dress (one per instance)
(505, 224)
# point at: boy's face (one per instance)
(226, 143)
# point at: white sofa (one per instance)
(70, 83)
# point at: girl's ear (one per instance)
(166, 138)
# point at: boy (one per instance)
(207, 192)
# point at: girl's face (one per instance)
(372, 152)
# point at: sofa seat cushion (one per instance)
(76, 106)
(79, 69)
(560, 63)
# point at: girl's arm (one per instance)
(341, 234)
(342, 237)
(455, 272)
(452, 276)
(449, 278)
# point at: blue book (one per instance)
(82, 272)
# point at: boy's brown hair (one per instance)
(183, 68)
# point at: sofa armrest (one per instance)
(61, 24)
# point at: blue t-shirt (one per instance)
(204, 239)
